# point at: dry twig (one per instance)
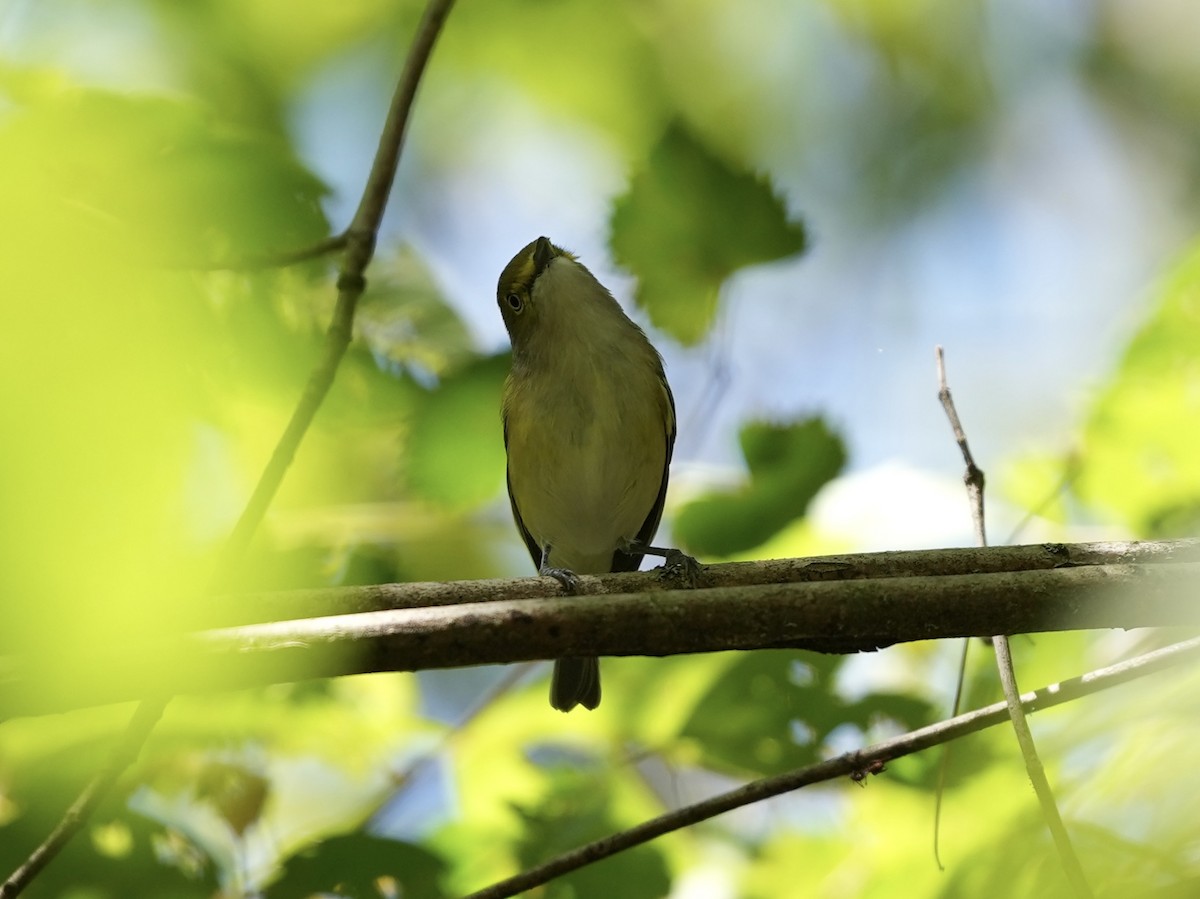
(973, 478)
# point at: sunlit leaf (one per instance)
(688, 221)
(1140, 456)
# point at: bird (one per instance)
(589, 431)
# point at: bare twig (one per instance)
(842, 766)
(973, 478)
(359, 243)
(123, 755)
(360, 247)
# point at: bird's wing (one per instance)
(535, 551)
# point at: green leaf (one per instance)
(455, 452)
(1140, 457)
(773, 711)
(689, 221)
(788, 464)
(576, 810)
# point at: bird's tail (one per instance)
(575, 682)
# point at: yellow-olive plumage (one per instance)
(589, 426)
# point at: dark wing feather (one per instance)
(535, 551)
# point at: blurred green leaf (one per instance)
(351, 865)
(788, 464)
(455, 449)
(688, 221)
(1140, 457)
(167, 175)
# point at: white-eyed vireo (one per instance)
(589, 426)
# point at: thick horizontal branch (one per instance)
(260, 607)
(859, 614)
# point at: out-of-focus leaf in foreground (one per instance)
(788, 464)
(107, 460)
(358, 865)
(688, 221)
(165, 176)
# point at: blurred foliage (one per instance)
(149, 149)
(788, 464)
(455, 454)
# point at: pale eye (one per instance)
(515, 303)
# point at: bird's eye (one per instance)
(515, 303)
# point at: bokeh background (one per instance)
(799, 199)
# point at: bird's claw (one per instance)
(566, 577)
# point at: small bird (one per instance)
(589, 428)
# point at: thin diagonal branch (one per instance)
(123, 755)
(359, 240)
(360, 247)
(846, 765)
(973, 478)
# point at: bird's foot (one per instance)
(677, 566)
(681, 568)
(565, 576)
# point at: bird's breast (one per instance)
(587, 451)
